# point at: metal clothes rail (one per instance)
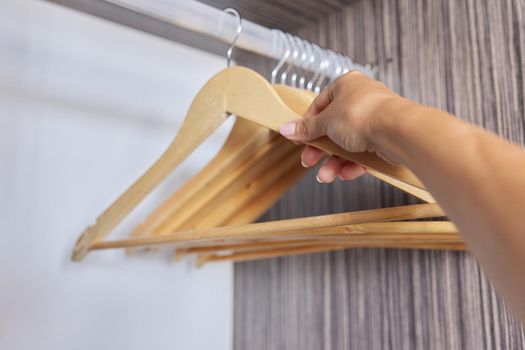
(188, 20)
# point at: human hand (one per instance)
(346, 112)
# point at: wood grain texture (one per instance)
(463, 56)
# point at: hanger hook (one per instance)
(318, 57)
(235, 13)
(324, 70)
(300, 60)
(349, 63)
(334, 68)
(338, 65)
(284, 75)
(284, 57)
(311, 60)
(344, 64)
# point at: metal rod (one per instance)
(204, 19)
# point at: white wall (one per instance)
(85, 107)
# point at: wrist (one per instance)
(387, 122)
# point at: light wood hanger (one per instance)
(380, 240)
(323, 248)
(301, 99)
(366, 220)
(229, 173)
(230, 193)
(369, 228)
(235, 90)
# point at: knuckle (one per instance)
(352, 76)
(303, 130)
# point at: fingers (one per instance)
(312, 126)
(311, 156)
(351, 171)
(332, 168)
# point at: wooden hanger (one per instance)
(222, 170)
(235, 90)
(230, 172)
(281, 251)
(426, 239)
(368, 228)
(228, 192)
(375, 221)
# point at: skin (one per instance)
(476, 177)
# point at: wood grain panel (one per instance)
(463, 56)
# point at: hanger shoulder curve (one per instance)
(245, 136)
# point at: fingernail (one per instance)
(304, 165)
(318, 179)
(287, 129)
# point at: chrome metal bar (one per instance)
(195, 17)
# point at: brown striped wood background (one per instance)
(463, 56)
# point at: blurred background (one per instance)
(85, 107)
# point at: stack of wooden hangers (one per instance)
(212, 214)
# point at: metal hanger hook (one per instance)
(317, 70)
(311, 60)
(284, 57)
(323, 70)
(336, 58)
(235, 13)
(295, 53)
(300, 62)
(350, 63)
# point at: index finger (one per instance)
(320, 102)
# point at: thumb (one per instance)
(304, 129)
